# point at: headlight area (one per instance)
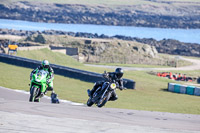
(113, 86)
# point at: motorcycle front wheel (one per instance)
(103, 101)
(33, 94)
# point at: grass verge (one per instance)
(150, 94)
(52, 57)
(132, 65)
(15, 77)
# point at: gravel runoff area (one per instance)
(17, 115)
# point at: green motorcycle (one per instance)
(38, 85)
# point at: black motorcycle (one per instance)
(102, 93)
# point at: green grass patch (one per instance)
(176, 60)
(15, 77)
(132, 65)
(57, 58)
(150, 94)
(52, 57)
(65, 60)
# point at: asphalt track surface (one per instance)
(17, 115)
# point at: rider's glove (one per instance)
(48, 81)
(105, 75)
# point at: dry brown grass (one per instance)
(12, 37)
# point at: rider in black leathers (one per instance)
(117, 76)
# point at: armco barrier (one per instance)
(184, 89)
(60, 70)
(197, 91)
(190, 90)
(171, 87)
(177, 88)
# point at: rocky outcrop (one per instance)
(38, 38)
(167, 46)
(117, 51)
(165, 16)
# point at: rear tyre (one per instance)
(89, 102)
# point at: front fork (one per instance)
(105, 92)
(106, 85)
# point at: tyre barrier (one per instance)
(60, 70)
(184, 89)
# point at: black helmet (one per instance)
(119, 72)
(45, 64)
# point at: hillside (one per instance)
(107, 50)
(91, 50)
(166, 46)
(53, 57)
(146, 13)
(103, 49)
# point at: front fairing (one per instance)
(39, 80)
(105, 85)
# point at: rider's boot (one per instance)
(89, 92)
(41, 95)
(49, 88)
(113, 96)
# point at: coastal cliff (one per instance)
(167, 15)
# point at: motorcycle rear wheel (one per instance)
(89, 102)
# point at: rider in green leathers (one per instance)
(46, 67)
